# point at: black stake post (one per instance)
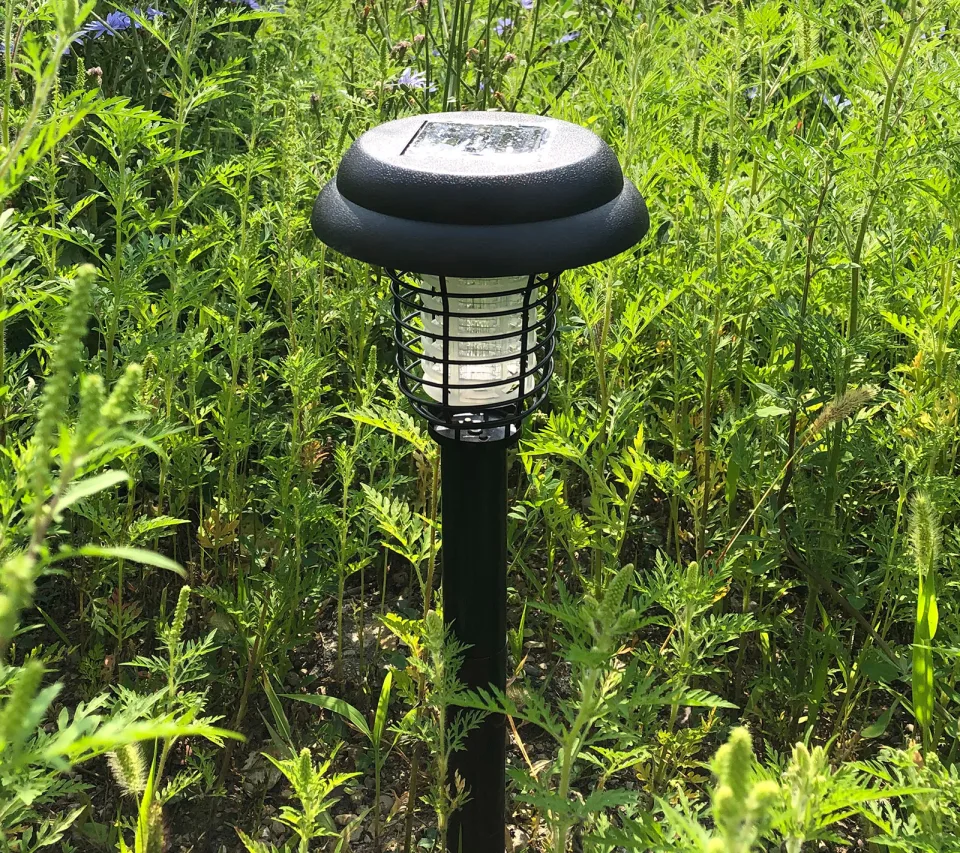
(474, 509)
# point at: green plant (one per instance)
(58, 469)
(925, 539)
(743, 806)
(313, 785)
(434, 692)
(602, 722)
(932, 790)
(744, 408)
(374, 734)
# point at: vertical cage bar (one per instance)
(524, 331)
(445, 342)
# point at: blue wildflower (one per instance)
(256, 5)
(752, 93)
(411, 79)
(527, 4)
(838, 102)
(115, 22)
(566, 38)
(503, 25)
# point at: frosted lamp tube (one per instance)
(472, 297)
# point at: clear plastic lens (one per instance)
(488, 359)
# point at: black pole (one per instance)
(474, 505)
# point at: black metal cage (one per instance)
(446, 336)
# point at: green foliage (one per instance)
(313, 786)
(375, 734)
(737, 508)
(925, 538)
(744, 806)
(930, 822)
(434, 690)
(741, 811)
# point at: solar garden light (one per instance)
(473, 216)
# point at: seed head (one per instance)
(123, 397)
(925, 532)
(400, 49)
(849, 403)
(128, 768)
(91, 401)
(180, 614)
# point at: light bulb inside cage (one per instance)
(485, 341)
(475, 350)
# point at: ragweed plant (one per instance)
(376, 734)
(58, 468)
(613, 702)
(314, 786)
(743, 806)
(433, 690)
(178, 671)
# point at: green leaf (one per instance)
(117, 732)
(771, 412)
(383, 705)
(90, 486)
(254, 846)
(283, 724)
(877, 667)
(134, 555)
(338, 706)
(880, 726)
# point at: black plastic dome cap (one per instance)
(480, 194)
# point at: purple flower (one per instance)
(411, 79)
(503, 25)
(256, 5)
(527, 4)
(115, 22)
(838, 102)
(568, 37)
(752, 93)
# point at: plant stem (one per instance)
(853, 319)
